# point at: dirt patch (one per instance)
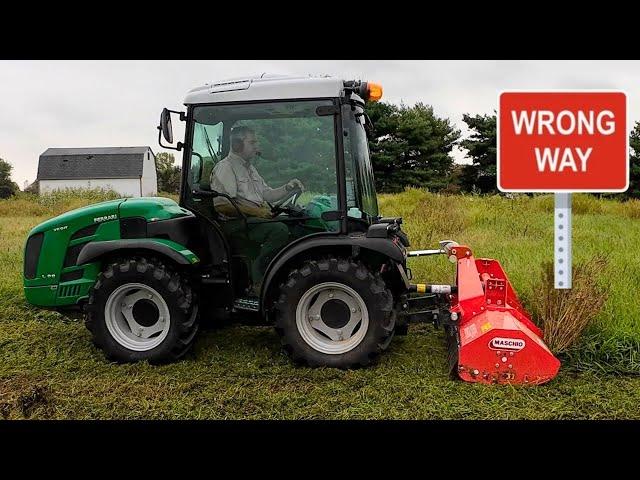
(22, 396)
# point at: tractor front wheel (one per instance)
(141, 309)
(335, 313)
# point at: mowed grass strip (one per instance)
(238, 372)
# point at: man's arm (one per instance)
(250, 209)
(275, 194)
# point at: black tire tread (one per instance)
(384, 331)
(180, 294)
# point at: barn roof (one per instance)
(89, 163)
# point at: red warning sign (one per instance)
(573, 141)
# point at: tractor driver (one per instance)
(237, 177)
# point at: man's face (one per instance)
(250, 146)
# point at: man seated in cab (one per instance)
(237, 177)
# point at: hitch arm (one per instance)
(423, 253)
(445, 247)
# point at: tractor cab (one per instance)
(269, 161)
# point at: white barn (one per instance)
(130, 171)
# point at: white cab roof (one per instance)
(265, 87)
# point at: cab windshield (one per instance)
(292, 140)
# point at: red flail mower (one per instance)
(490, 335)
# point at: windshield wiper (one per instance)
(214, 157)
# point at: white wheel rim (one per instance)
(323, 337)
(131, 300)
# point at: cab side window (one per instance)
(206, 152)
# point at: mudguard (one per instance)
(383, 246)
(94, 250)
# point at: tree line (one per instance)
(412, 146)
(409, 146)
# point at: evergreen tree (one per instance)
(481, 145)
(410, 146)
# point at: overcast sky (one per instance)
(117, 103)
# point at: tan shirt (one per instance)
(238, 178)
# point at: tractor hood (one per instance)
(150, 208)
(98, 212)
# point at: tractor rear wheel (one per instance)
(141, 309)
(335, 313)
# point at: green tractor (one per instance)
(318, 262)
(146, 269)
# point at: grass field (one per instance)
(50, 369)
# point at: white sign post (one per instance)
(562, 241)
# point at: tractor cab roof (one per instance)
(266, 87)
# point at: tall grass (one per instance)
(59, 201)
(53, 203)
(564, 314)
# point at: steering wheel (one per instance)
(287, 204)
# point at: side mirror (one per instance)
(165, 130)
(165, 125)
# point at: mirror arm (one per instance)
(183, 116)
(178, 146)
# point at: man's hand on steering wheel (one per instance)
(293, 184)
(293, 190)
